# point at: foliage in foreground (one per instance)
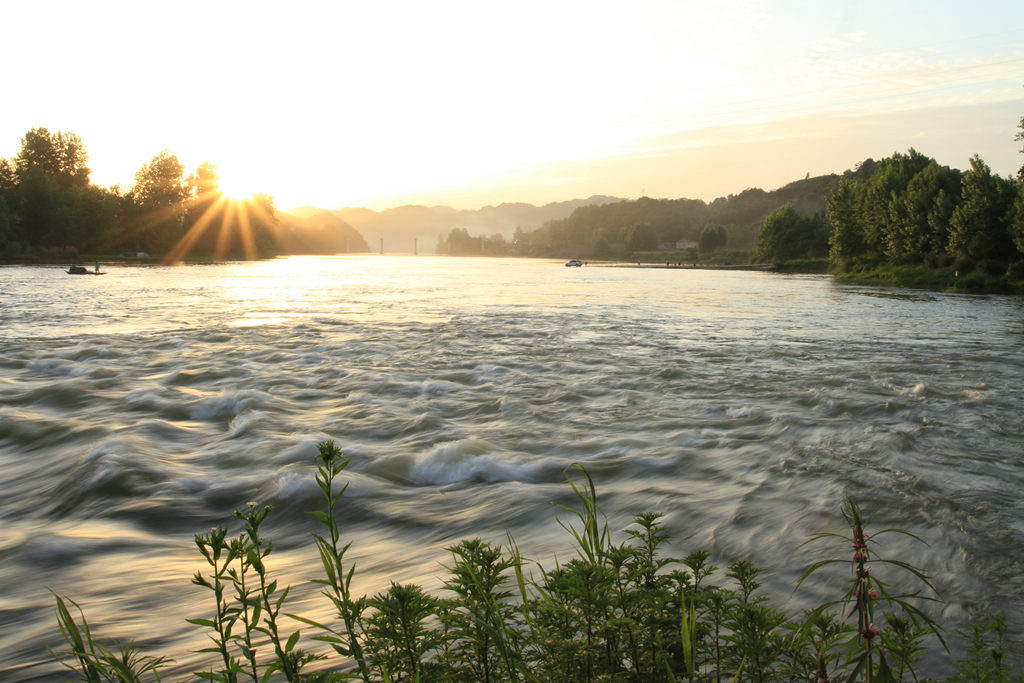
(615, 611)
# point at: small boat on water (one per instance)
(82, 270)
(574, 263)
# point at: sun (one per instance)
(236, 184)
(235, 189)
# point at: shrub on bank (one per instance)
(616, 611)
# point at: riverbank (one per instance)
(944, 279)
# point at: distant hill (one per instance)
(405, 229)
(317, 233)
(743, 214)
(610, 230)
(574, 226)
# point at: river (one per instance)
(143, 406)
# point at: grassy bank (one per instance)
(977, 280)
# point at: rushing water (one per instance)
(141, 407)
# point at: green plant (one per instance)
(95, 662)
(221, 556)
(337, 582)
(986, 647)
(482, 622)
(255, 610)
(864, 593)
(398, 637)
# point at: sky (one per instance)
(383, 103)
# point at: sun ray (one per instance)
(192, 235)
(245, 230)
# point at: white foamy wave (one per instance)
(435, 387)
(225, 406)
(739, 411)
(245, 423)
(142, 399)
(302, 450)
(466, 460)
(296, 485)
(362, 397)
(55, 367)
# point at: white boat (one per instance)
(575, 263)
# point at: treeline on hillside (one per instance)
(50, 210)
(619, 229)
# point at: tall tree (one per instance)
(49, 171)
(1017, 224)
(920, 215)
(9, 243)
(978, 226)
(8, 179)
(846, 240)
(157, 203)
(160, 182)
(205, 181)
(786, 234)
(1019, 137)
(711, 238)
(880, 211)
(60, 156)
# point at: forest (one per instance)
(50, 211)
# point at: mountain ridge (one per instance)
(416, 227)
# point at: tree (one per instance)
(60, 156)
(1017, 224)
(1019, 137)
(880, 211)
(205, 181)
(920, 220)
(787, 234)
(846, 241)
(157, 203)
(978, 226)
(160, 183)
(641, 237)
(8, 179)
(48, 173)
(38, 206)
(8, 235)
(711, 238)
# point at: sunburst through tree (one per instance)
(222, 226)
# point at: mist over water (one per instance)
(142, 407)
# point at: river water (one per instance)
(143, 406)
